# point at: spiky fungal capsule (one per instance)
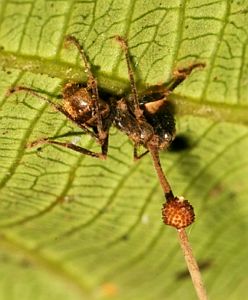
(178, 213)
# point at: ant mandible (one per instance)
(146, 119)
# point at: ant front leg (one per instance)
(91, 85)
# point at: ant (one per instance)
(147, 119)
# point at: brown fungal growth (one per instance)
(178, 213)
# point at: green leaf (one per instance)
(73, 227)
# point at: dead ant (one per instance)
(146, 119)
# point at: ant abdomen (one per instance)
(80, 105)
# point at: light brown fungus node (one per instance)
(178, 213)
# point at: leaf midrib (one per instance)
(234, 113)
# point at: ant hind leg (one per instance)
(101, 155)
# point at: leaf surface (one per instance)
(72, 227)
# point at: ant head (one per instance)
(160, 116)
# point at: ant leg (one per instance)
(181, 74)
(123, 43)
(17, 89)
(135, 153)
(102, 155)
(58, 107)
(91, 84)
(104, 147)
